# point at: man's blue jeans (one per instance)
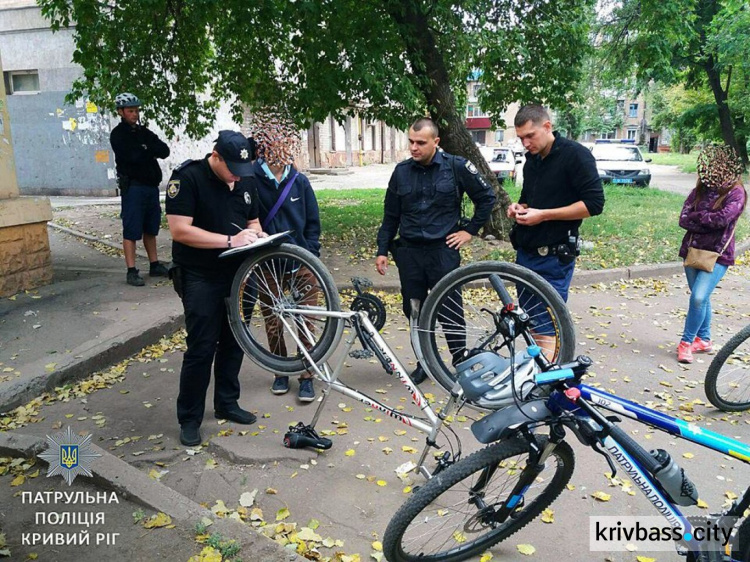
(702, 284)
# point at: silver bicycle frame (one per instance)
(330, 377)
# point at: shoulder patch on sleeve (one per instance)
(173, 188)
(248, 198)
(471, 167)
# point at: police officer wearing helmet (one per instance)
(138, 177)
(423, 205)
(210, 208)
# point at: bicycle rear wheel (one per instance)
(265, 288)
(727, 382)
(443, 520)
(451, 320)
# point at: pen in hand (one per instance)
(238, 227)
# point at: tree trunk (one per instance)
(720, 96)
(427, 61)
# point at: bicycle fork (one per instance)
(534, 467)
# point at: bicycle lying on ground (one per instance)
(470, 319)
(486, 497)
(285, 313)
(727, 382)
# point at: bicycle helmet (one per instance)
(486, 381)
(126, 100)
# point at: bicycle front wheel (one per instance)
(452, 320)
(727, 382)
(451, 517)
(272, 308)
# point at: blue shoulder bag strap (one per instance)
(279, 201)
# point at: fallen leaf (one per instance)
(526, 549)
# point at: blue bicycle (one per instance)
(484, 498)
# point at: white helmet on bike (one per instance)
(485, 378)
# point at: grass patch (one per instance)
(351, 218)
(686, 162)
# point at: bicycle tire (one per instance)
(434, 344)
(396, 539)
(284, 267)
(721, 377)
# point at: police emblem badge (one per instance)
(69, 455)
(244, 154)
(173, 188)
(471, 167)
(248, 200)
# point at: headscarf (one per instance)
(277, 137)
(719, 168)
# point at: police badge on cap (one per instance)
(234, 148)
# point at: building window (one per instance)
(609, 135)
(473, 110)
(620, 106)
(632, 133)
(479, 137)
(475, 89)
(499, 135)
(21, 81)
(633, 110)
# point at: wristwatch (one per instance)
(229, 241)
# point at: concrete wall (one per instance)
(60, 149)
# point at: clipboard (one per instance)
(259, 243)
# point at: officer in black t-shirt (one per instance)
(423, 204)
(205, 200)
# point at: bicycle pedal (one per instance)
(361, 354)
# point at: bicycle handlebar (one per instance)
(502, 292)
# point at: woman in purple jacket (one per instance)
(709, 215)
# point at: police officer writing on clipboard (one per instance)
(423, 204)
(210, 209)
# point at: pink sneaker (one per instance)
(684, 352)
(702, 346)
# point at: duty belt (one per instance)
(553, 250)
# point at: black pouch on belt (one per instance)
(175, 274)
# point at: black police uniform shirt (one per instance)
(423, 203)
(195, 191)
(565, 176)
(136, 150)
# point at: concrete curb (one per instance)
(84, 360)
(128, 482)
(140, 253)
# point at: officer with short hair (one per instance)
(423, 205)
(210, 209)
(138, 177)
(561, 187)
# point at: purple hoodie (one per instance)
(711, 228)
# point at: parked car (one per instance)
(621, 163)
(503, 164)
